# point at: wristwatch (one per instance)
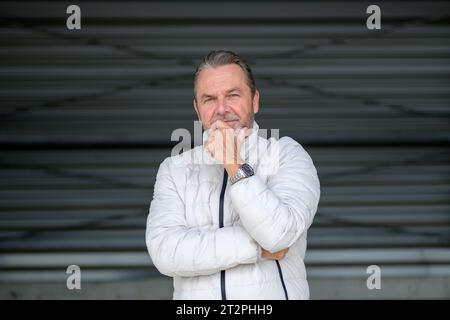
(243, 172)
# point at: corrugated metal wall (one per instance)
(86, 117)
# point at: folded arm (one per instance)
(276, 213)
(179, 250)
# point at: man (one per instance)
(234, 227)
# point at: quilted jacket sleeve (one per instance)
(276, 213)
(179, 250)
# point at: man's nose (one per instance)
(222, 106)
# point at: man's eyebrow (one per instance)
(233, 89)
(206, 96)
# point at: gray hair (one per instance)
(220, 58)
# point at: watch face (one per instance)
(247, 169)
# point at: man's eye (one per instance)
(234, 95)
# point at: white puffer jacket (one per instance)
(207, 234)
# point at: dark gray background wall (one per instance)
(86, 117)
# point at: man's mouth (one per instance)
(233, 123)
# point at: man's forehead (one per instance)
(221, 78)
(226, 89)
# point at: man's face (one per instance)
(222, 93)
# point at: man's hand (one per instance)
(224, 145)
(274, 256)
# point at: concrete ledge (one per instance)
(161, 288)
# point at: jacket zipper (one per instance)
(282, 280)
(222, 272)
(222, 195)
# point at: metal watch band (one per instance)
(243, 172)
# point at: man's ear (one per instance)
(194, 102)
(256, 102)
